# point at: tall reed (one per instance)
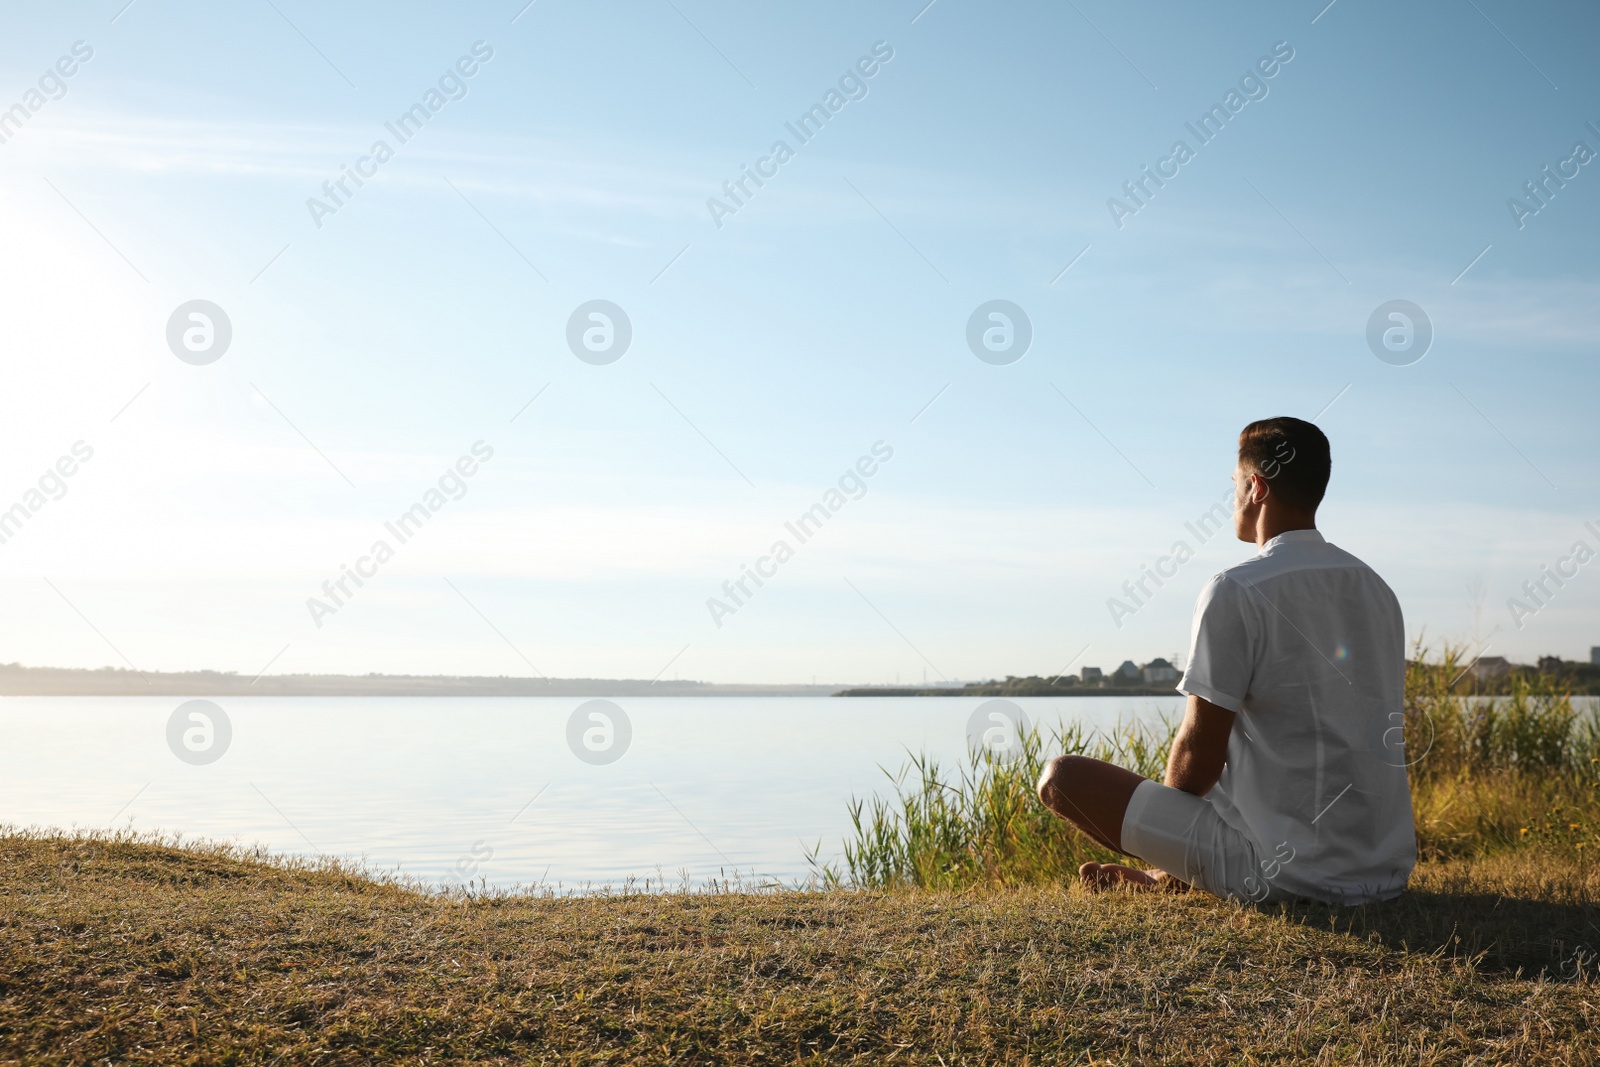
(1490, 774)
(985, 825)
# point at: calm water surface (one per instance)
(447, 789)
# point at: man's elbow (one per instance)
(1195, 772)
(1200, 750)
(1198, 785)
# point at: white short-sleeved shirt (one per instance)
(1305, 643)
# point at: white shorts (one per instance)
(1183, 835)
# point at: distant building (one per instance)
(1490, 667)
(1128, 672)
(1549, 664)
(1158, 671)
(1094, 674)
(1594, 655)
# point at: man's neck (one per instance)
(1270, 526)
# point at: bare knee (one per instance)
(1057, 777)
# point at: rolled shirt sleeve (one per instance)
(1222, 649)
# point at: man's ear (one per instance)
(1260, 488)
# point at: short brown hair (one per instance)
(1290, 453)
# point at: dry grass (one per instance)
(128, 951)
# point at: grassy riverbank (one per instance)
(127, 951)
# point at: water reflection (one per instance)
(506, 790)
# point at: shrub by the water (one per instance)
(985, 825)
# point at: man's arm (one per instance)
(1200, 748)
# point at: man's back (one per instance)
(1307, 645)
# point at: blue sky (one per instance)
(770, 353)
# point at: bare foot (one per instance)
(1099, 877)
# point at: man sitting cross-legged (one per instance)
(1287, 777)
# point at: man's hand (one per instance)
(1200, 749)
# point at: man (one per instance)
(1287, 777)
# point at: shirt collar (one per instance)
(1293, 536)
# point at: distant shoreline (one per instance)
(1000, 689)
(19, 681)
